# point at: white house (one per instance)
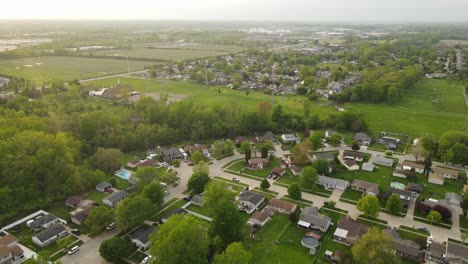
(332, 183)
(290, 138)
(141, 237)
(43, 222)
(250, 201)
(49, 235)
(368, 167)
(383, 161)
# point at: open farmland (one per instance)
(170, 53)
(66, 68)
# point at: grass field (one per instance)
(66, 68)
(171, 54)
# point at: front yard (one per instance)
(239, 166)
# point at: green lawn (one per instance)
(463, 222)
(239, 166)
(200, 209)
(66, 68)
(138, 256)
(382, 176)
(352, 195)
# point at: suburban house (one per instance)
(113, 199)
(447, 173)
(405, 196)
(348, 230)
(197, 199)
(281, 206)
(368, 167)
(103, 187)
(399, 173)
(74, 201)
(79, 216)
(389, 142)
(174, 212)
(49, 235)
(383, 161)
(332, 183)
(367, 188)
(330, 133)
(250, 201)
(310, 218)
(328, 156)
(436, 178)
(404, 247)
(453, 198)
(415, 187)
(350, 164)
(363, 138)
(413, 166)
(190, 149)
(10, 252)
(141, 237)
(43, 222)
(259, 218)
(356, 156)
(258, 163)
(170, 154)
(296, 170)
(278, 171)
(290, 138)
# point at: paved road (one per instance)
(89, 252)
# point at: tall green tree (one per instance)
(295, 191)
(196, 157)
(394, 204)
(227, 223)
(216, 194)
(321, 166)
(265, 184)
(234, 254)
(434, 217)
(132, 212)
(374, 247)
(155, 193)
(107, 159)
(144, 176)
(369, 205)
(182, 239)
(308, 177)
(197, 182)
(315, 141)
(114, 249)
(99, 217)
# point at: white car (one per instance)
(145, 260)
(73, 250)
(166, 193)
(110, 226)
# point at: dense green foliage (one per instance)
(114, 249)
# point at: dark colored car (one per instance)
(76, 232)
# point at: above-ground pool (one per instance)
(309, 242)
(123, 173)
(397, 185)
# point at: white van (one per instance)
(163, 184)
(73, 250)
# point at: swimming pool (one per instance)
(397, 185)
(124, 174)
(309, 242)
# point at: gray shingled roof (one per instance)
(50, 232)
(325, 155)
(143, 234)
(251, 197)
(47, 218)
(117, 196)
(311, 215)
(103, 185)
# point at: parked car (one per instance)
(76, 232)
(235, 179)
(110, 226)
(145, 260)
(424, 229)
(166, 193)
(73, 250)
(269, 176)
(187, 197)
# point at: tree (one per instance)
(427, 165)
(132, 211)
(294, 191)
(300, 153)
(443, 211)
(107, 159)
(144, 176)
(322, 166)
(394, 204)
(265, 184)
(335, 139)
(201, 167)
(264, 151)
(234, 254)
(114, 249)
(248, 154)
(227, 223)
(308, 177)
(197, 182)
(369, 205)
(315, 141)
(155, 193)
(374, 247)
(196, 157)
(216, 193)
(434, 217)
(245, 146)
(418, 151)
(182, 239)
(99, 217)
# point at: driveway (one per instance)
(89, 252)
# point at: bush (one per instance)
(443, 211)
(388, 153)
(265, 184)
(355, 146)
(423, 207)
(175, 163)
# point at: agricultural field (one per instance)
(170, 53)
(452, 42)
(66, 68)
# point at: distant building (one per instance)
(281, 206)
(10, 252)
(290, 138)
(170, 154)
(363, 138)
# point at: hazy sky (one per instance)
(254, 10)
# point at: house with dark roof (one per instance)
(332, 183)
(133, 164)
(10, 252)
(258, 163)
(103, 187)
(49, 235)
(278, 171)
(330, 133)
(363, 138)
(367, 188)
(113, 199)
(415, 187)
(348, 230)
(118, 91)
(296, 170)
(405, 248)
(311, 219)
(141, 237)
(74, 201)
(170, 154)
(43, 222)
(281, 206)
(259, 218)
(174, 212)
(328, 156)
(405, 196)
(456, 253)
(249, 201)
(350, 155)
(79, 216)
(436, 251)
